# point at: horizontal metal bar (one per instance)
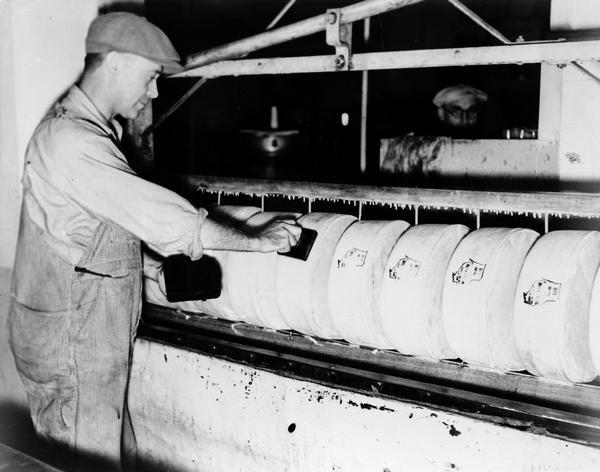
(522, 53)
(530, 203)
(349, 14)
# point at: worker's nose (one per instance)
(152, 89)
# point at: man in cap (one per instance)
(76, 290)
(459, 109)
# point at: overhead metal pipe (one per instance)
(481, 22)
(242, 47)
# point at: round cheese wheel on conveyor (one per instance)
(235, 215)
(478, 296)
(218, 307)
(301, 286)
(355, 280)
(411, 292)
(594, 323)
(552, 305)
(251, 279)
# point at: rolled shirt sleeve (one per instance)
(91, 173)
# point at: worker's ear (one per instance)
(441, 113)
(113, 61)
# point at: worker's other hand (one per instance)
(278, 235)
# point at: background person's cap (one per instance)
(463, 96)
(126, 32)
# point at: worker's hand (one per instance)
(278, 235)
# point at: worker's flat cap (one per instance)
(126, 32)
(461, 95)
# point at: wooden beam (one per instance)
(527, 53)
(533, 203)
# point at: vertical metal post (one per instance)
(364, 100)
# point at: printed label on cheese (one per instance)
(405, 267)
(352, 258)
(542, 291)
(469, 271)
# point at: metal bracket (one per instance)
(339, 35)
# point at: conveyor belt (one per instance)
(518, 400)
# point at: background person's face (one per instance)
(458, 116)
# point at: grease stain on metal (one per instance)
(573, 157)
(320, 395)
(369, 406)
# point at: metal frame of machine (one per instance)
(517, 400)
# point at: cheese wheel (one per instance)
(594, 323)
(301, 286)
(218, 307)
(552, 305)
(236, 216)
(411, 291)
(478, 296)
(251, 279)
(355, 279)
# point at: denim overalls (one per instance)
(71, 331)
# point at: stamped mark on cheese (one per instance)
(469, 271)
(404, 268)
(542, 291)
(352, 258)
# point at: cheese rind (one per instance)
(355, 277)
(220, 307)
(478, 296)
(301, 286)
(411, 293)
(251, 279)
(552, 305)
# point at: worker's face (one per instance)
(459, 116)
(138, 86)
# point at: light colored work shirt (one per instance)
(77, 177)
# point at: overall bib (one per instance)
(71, 331)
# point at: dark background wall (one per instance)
(205, 136)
